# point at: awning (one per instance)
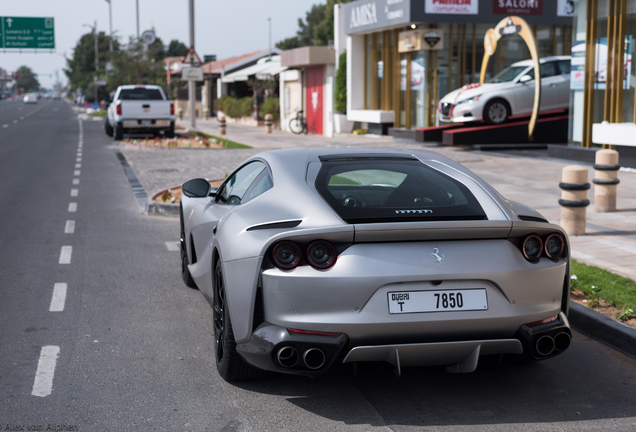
(264, 70)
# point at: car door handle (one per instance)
(553, 85)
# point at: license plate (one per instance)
(146, 122)
(437, 301)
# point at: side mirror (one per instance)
(524, 79)
(196, 188)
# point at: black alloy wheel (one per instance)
(118, 133)
(185, 272)
(229, 363)
(108, 127)
(497, 111)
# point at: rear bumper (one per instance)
(276, 349)
(143, 124)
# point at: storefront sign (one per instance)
(565, 8)
(517, 7)
(416, 40)
(452, 7)
(369, 15)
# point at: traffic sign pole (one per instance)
(192, 84)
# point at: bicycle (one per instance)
(298, 124)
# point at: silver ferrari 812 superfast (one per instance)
(312, 258)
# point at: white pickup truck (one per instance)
(140, 110)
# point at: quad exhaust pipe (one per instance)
(546, 345)
(313, 358)
(288, 357)
(562, 341)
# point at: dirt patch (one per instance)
(600, 306)
(173, 195)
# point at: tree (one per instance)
(26, 80)
(80, 68)
(157, 50)
(176, 49)
(316, 30)
(135, 65)
(340, 91)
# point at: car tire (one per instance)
(496, 112)
(229, 364)
(108, 128)
(170, 132)
(118, 132)
(185, 272)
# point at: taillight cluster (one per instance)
(119, 108)
(534, 246)
(319, 254)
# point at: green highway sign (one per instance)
(27, 33)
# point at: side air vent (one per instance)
(532, 219)
(275, 225)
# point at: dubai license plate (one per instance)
(146, 122)
(437, 301)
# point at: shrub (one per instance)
(271, 106)
(340, 97)
(235, 108)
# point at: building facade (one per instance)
(405, 55)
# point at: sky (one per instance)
(222, 27)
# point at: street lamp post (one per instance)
(94, 28)
(192, 84)
(110, 20)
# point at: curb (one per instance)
(603, 328)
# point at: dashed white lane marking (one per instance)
(581, 255)
(78, 165)
(77, 172)
(5, 125)
(21, 118)
(65, 254)
(172, 246)
(43, 383)
(59, 298)
(70, 227)
(74, 192)
(15, 121)
(72, 207)
(78, 159)
(75, 181)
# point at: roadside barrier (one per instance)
(222, 125)
(605, 180)
(269, 123)
(574, 200)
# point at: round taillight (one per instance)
(554, 245)
(321, 255)
(532, 247)
(286, 255)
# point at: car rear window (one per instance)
(389, 190)
(140, 94)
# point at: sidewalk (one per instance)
(610, 240)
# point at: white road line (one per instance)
(72, 207)
(172, 246)
(78, 160)
(65, 254)
(43, 383)
(74, 192)
(75, 181)
(77, 172)
(78, 165)
(59, 298)
(70, 227)
(15, 121)
(5, 125)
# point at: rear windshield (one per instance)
(372, 191)
(140, 94)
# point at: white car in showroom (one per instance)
(510, 92)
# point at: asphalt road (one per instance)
(130, 348)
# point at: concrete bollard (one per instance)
(573, 200)
(206, 113)
(605, 180)
(269, 123)
(180, 113)
(222, 125)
